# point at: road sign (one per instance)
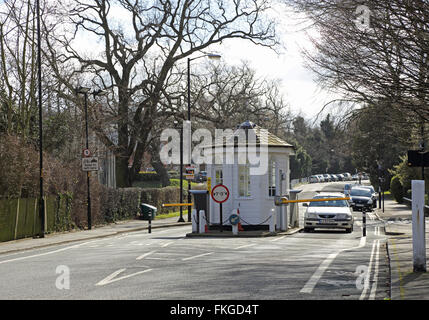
(418, 158)
(86, 153)
(189, 173)
(234, 219)
(220, 193)
(90, 164)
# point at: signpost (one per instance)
(418, 225)
(90, 164)
(190, 173)
(220, 194)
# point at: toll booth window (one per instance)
(243, 181)
(218, 176)
(272, 179)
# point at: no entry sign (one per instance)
(220, 193)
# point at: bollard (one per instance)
(194, 221)
(273, 221)
(364, 222)
(235, 229)
(202, 222)
(150, 222)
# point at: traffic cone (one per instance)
(240, 227)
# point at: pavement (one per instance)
(81, 235)
(405, 284)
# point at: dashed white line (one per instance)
(245, 246)
(145, 255)
(197, 256)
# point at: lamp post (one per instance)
(176, 124)
(85, 91)
(39, 80)
(211, 56)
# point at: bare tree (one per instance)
(141, 43)
(373, 50)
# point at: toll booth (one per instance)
(201, 202)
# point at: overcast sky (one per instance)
(298, 83)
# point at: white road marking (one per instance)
(245, 246)
(145, 255)
(312, 282)
(368, 275)
(111, 278)
(47, 253)
(156, 258)
(277, 239)
(374, 285)
(167, 244)
(197, 256)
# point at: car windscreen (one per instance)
(361, 193)
(331, 203)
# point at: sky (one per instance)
(298, 83)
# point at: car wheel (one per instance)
(307, 229)
(349, 230)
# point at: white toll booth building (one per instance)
(252, 186)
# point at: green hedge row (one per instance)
(124, 203)
(153, 176)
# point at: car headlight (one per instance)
(369, 201)
(344, 216)
(311, 215)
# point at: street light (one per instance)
(176, 124)
(39, 81)
(85, 91)
(211, 56)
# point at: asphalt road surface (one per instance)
(167, 265)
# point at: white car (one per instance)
(333, 214)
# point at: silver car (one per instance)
(332, 214)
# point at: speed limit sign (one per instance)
(86, 153)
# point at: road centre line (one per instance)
(368, 273)
(197, 256)
(166, 244)
(312, 282)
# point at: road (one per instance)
(167, 265)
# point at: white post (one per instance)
(273, 221)
(235, 229)
(202, 222)
(419, 240)
(194, 221)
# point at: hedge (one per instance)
(396, 189)
(124, 203)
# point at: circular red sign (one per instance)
(221, 194)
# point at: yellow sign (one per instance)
(209, 184)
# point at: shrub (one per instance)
(397, 189)
(148, 176)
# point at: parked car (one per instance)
(333, 214)
(314, 179)
(201, 176)
(321, 178)
(340, 177)
(374, 195)
(327, 177)
(361, 198)
(355, 177)
(334, 177)
(347, 176)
